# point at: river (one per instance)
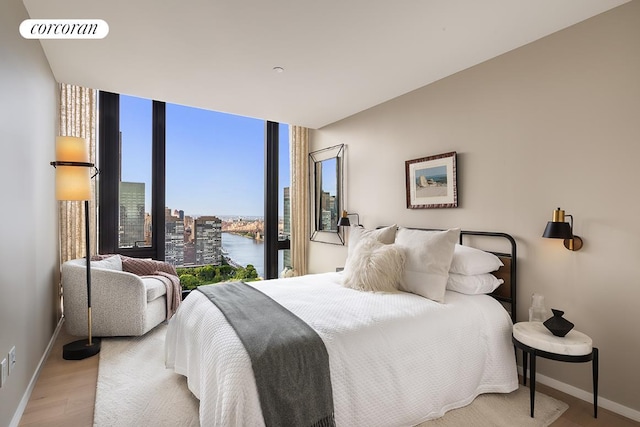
(243, 251)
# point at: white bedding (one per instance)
(395, 359)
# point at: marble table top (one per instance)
(536, 335)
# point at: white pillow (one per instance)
(471, 261)
(386, 235)
(374, 267)
(473, 285)
(111, 263)
(428, 255)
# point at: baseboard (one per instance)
(610, 405)
(27, 394)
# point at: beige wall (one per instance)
(554, 123)
(28, 224)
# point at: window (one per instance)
(134, 200)
(190, 185)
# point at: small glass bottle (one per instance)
(537, 311)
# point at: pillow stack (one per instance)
(470, 271)
(414, 261)
(422, 262)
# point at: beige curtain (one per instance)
(78, 118)
(299, 147)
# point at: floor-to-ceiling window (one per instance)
(188, 185)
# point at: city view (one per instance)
(214, 186)
(198, 241)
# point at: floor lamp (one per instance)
(73, 182)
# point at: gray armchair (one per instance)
(122, 303)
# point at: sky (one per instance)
(214, 161)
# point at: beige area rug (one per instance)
(135, 389)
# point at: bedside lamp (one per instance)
(344, 219)
(557, 228)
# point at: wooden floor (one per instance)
(65, 394)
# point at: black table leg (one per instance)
(524, 367)
(594, 362)
(532, 381)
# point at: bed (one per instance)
(396, 359)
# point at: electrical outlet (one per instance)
(12, 359)
(3, 372)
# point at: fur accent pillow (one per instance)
(374, 267)
(386, 235)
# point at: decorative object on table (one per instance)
(558, 325)
(537, 312)
(431, 182)
(557, 228)
(73, 182)
(344, 219)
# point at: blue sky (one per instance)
(215, 161)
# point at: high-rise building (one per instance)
(286, 229)
(131, 214)
(207, 236)
(173, 239)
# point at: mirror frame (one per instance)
(316, 158)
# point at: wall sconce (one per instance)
(557, 228)
(73, 182)
(344, 219)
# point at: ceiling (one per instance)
(339, 57)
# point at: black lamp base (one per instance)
(81, 349)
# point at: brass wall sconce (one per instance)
(344, 219)
(557, 228)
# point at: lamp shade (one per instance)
(72, 182)
(558, 230)
(344, 222)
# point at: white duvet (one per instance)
(395, 359)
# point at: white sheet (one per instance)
(395, 359)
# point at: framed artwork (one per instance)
(431, 182)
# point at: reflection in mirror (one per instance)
(326, 185)
(326, 176)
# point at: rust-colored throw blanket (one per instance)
(174, 290)
(161, 270)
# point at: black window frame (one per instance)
(109, 178)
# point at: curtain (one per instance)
(78, 118)
(299, 147)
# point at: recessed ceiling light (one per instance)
(278, 69)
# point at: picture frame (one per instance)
(431, 182)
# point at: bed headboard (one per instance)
(487, 240)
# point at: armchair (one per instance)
(123, 303)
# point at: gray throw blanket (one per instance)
(289, 360)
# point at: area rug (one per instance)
(135, 389)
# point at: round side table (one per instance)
(534, 339)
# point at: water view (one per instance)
(244, 250)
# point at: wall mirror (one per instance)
(325, 167)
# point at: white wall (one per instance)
(28, 216)
(554, 123)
